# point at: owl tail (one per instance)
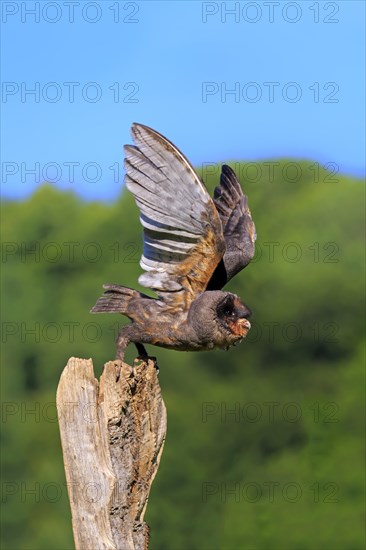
(115, 300)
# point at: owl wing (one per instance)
(238, 228)
(183, 240)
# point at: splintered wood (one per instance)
(112, 436)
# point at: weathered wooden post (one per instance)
(112, 435)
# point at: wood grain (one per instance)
(112, 436)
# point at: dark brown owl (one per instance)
(192, 246)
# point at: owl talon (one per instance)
(142, 353)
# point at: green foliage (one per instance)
(264, 442)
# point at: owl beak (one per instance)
(244, 323)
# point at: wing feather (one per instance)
(183, 240)
(238, 227)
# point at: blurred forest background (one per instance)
(265, 442)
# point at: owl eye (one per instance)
(226, 308)
(229, 312)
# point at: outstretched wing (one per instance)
(238, 228)
(182, 233)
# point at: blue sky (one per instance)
(295, 71)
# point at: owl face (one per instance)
(233, 315)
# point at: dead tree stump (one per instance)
(112, 436)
